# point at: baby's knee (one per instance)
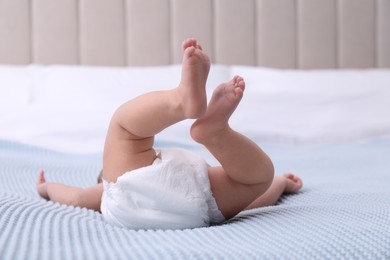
(263, 173)
(269, 174)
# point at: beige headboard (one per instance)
(273, 33)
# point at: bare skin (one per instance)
(130, 137)
(288, 183)
(69, 195)
(246, 172)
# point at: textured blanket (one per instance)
(342, 212)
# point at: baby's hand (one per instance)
(41, 185)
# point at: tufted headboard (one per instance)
(302, 34)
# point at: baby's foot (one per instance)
(41, 185)
(192, 87)
(223, 103)
(293, 183)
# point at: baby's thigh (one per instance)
(123, 153)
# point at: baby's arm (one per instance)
(73, 196)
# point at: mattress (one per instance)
(343, 211)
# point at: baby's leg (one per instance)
(246, 170)
(129, 141)
(73, 196)
(286, 184)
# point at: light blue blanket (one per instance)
(343, 212)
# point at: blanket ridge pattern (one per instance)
(318, 223)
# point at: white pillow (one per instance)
(292, 106)
(71, 106)
(89, 87)
(15, 88)
(68, 108)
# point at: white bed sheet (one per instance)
(68, 108)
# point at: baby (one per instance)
(145, 188)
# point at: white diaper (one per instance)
(172, 193)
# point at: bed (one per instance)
(317, 101)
